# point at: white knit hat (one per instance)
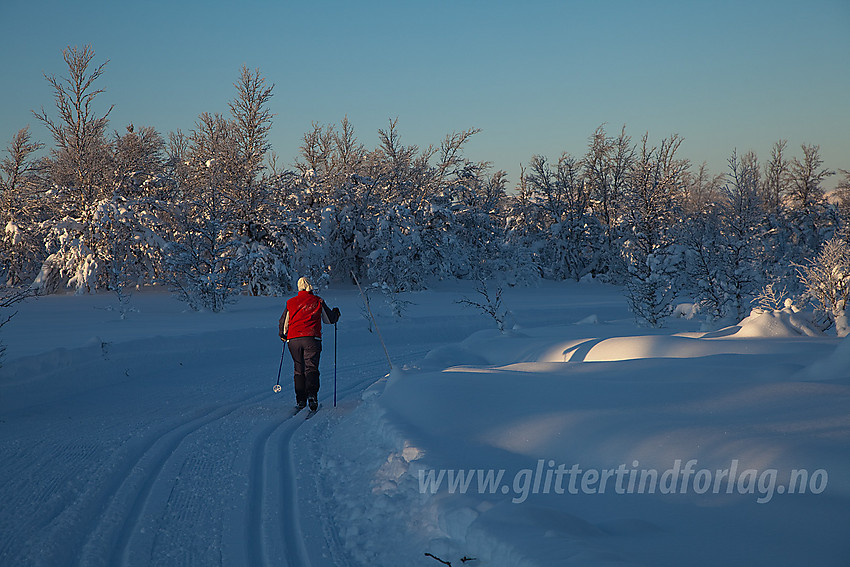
(304, 285)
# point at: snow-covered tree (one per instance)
(607, 166)
(810, 221)
(200, 256)
(213, 214)
(743, 215)
(775, 179)
(465, 205)
(280, 244)
(652, 197)
(704, 250)
(81, 171)
(138, 161)
(21, 210)
(567, 236)
(198, 265)
(260, 226)
(651, 211)
(827, 282)
(701, 190)
(842, 203)
(806, 176)
(252, 121)
(18, 168)
(650, 289)
(80, 157)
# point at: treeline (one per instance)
(211, 214)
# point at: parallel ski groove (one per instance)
(273, 533)
(120, 555)
(283, 497)
(257, 552)
(156, 450)
(272, 529)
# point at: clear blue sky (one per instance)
(537, 77)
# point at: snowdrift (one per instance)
(535, 403)
(576, 438)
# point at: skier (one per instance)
(301, 326)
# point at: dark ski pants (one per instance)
(305, 353)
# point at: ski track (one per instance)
(256, 552)
(128, 496)
(131, 527)
(272, 536)
(285, 501)
(155, 497)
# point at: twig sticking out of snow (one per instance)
(377, 330)
(438, 559)
(492, 306)
(463, 559)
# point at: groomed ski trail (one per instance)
(266, 529)
(163, 450)
(127, 526)
(272, 529)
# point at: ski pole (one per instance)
(277, 387)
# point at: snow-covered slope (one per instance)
(158, 440)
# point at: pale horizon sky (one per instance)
(537, 77)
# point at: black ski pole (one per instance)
(277, 387)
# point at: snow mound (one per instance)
(632, 348)
(790, 322)
(787, 322)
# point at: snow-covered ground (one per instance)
(575, 438)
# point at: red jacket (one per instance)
(303, 316)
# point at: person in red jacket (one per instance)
(301, 326)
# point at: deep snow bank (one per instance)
(173, 410)
(541, 415)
